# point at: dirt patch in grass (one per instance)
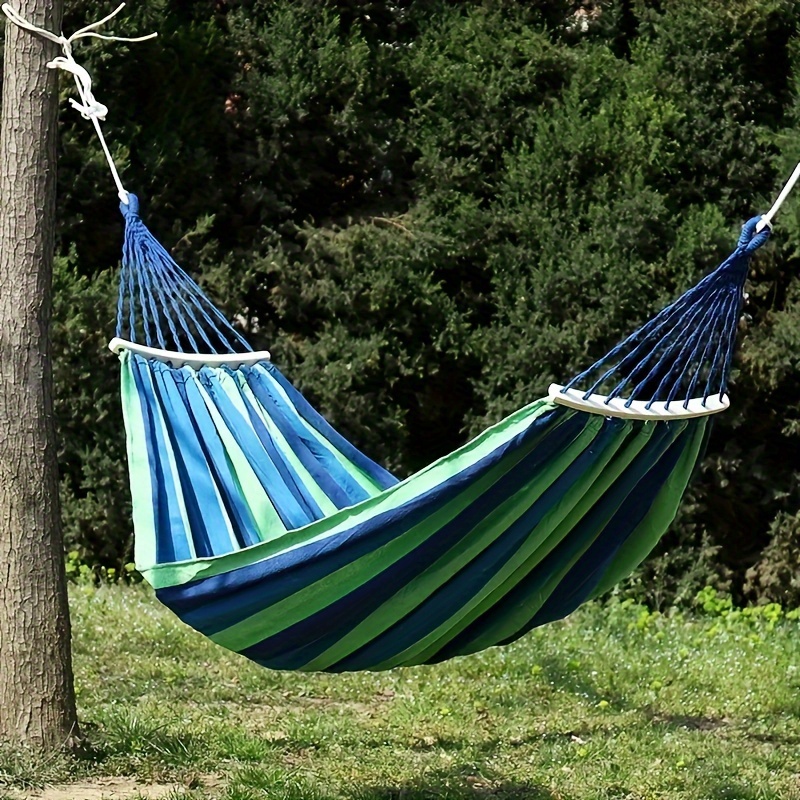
(107, 788)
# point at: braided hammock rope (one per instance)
(687, 348)
(159, 305)
(266, 530)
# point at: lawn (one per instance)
(614, 702)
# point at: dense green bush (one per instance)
(430, 210)
(775, 577)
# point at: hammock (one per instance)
(264, 529)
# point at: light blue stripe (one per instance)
(238, 519)
(377, 473)
(207, 521)
(294, 509)
(321, 462)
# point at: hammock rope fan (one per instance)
(264, 529)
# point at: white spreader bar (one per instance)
(638, 409)
(193, 360)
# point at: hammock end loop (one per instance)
(755, 233)
(129, 204)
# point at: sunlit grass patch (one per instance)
(614, 702)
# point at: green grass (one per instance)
(613, 703)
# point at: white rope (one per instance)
(766, 220)
(88, 106)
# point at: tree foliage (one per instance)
(430, 210)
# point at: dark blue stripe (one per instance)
(207, 523)
(291, 505)
(377, 473)
(290, 478)
(443, 603)
(170, 544)
(325, 469)
(607, 519)
(238, 512)
(579, 584)
(294, 647)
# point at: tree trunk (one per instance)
(37, 702)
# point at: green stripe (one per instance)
(326, 505)
(264, 514)
(168, 455)
(660, 515)
(538, 544)
(358, 475)
(596, 485)
(141, 480)
(656, 522)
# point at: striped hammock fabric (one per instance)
(265, 530)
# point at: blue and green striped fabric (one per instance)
(265, 530)
(262, 528)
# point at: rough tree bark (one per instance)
(37, 703)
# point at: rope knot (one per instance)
(90, 108)
(130, 208)
(751, 238)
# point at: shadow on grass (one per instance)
(497, 790)
(569, 676)
(686, 721)
(258, 781)
(738, 791)
(783, 739)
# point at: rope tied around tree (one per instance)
(88, 107)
